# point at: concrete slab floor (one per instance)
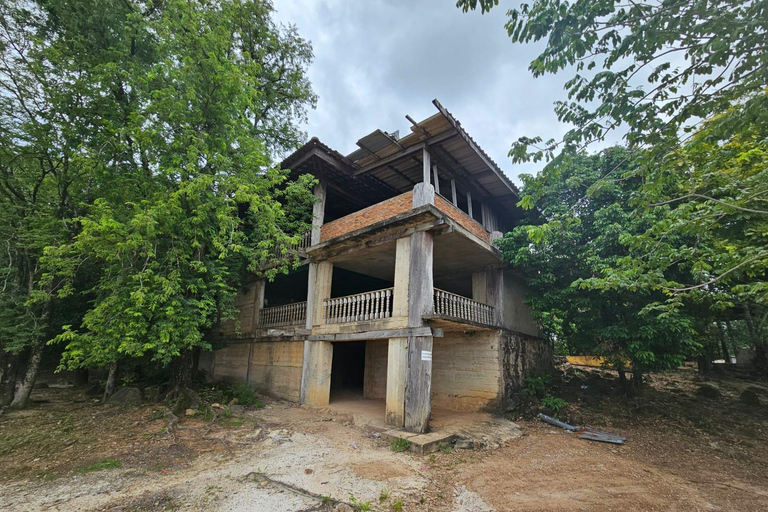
(466, 429)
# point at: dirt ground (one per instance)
(684, 452)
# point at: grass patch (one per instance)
(102, 465)
(399, 445)
(233, 423)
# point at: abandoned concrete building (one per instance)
(401, 296)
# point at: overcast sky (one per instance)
(378, 60)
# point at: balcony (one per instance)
(457, 308)
(288, 315)
(373, 305)
(297, 249)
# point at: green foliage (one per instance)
(136, 147)
(399, 445)
(224, 394)
(103, 464)
(574, 237)
(357, 504)
(654, 69)
(554, 404)
(537, 383)
(685, 82)
(384, 494)
(397, 506)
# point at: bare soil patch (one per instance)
(684, 452)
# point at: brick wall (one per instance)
(367, 216)
(462, 219)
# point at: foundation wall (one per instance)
(275, 367)
(523, 355)
(245, 302)
(466, 371)
(375, 377)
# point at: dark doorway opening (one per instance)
(348, 369)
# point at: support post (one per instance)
(418, 377)
(318, 211)
(397, 364)
(402, 274)
(469, 205)
(318, 289)
(418, 388)
(427, 165)
(317, 389)
(435, 178)
(454, 197)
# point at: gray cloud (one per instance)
(377, 60)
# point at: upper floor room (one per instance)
(376, 183)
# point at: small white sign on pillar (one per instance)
(426, 355)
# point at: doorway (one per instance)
(348, 370)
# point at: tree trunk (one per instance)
(637, 380)
(109, 389)
(623, 381)
(8, 378)
(181, 374)
(24, 388)
(723, 343)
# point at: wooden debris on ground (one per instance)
(587, 433)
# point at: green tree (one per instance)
(167, 116)
(685, 82)
(570, 239)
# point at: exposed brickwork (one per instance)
(367, 216)
(462, 219)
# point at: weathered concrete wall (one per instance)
(231, 363)
(466, 371)
(521, 356)
(275, 367)
(517, 316)
(375, 376)
(367, 216)
(248, 302)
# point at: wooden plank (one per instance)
(418, 384)
(402, 264)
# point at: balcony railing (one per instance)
(289, 315)
(299, 247)
(457, 306)
(362, 306)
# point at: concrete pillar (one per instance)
(258, 292)
(397, 364)
(316, 366)
(318, 211)
(418, 375)
(420, 279)
(418, 384)
(316, 388)
(402, 273)
(488, 288)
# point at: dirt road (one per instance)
(285, 458)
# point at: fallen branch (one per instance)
(324, 500)
(586, 433)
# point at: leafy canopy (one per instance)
(159, 122)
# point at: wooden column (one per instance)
(469, 204)
(318, 212)
(454, 197)
(397, 365)
(488, 288)
(427, 165)
(418, 375)
(435, 178)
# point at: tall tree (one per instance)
(569, 240)
(685, 82)
(168, 116)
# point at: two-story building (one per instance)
(401, 295)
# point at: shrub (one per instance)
(554, 404)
